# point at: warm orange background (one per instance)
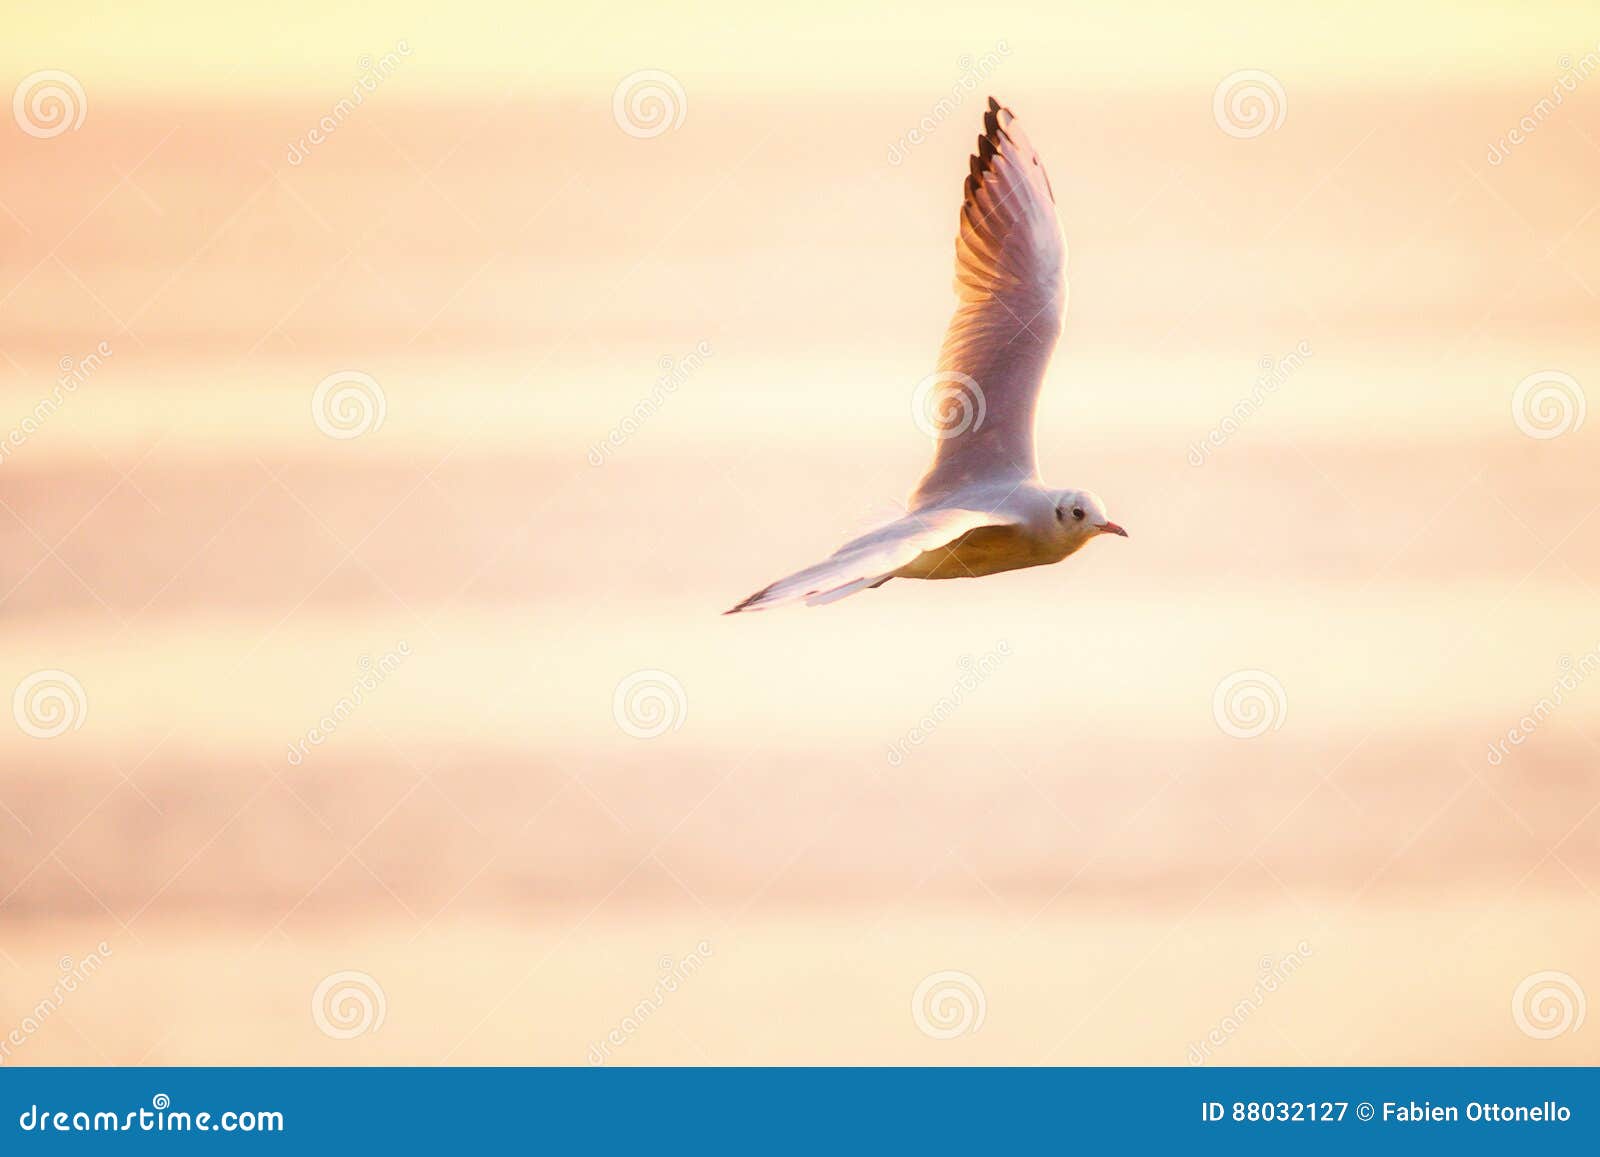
(1080, 837)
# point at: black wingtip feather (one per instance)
(746, 604)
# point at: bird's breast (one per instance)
(987, 550)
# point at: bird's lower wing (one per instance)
(873, 558)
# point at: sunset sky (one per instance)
(826, 46)
(496, 269)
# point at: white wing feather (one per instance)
(873, 558)
(1011, 283)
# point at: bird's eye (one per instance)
(1077, 512)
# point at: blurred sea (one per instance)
(480, 837)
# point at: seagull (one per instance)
(981, 508)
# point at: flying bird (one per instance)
(981, 508)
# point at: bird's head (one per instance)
(1081, 516)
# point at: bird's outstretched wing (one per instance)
(1011, 284)
(873, 558)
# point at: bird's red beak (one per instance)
(1111, 528)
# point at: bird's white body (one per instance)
(1031, 534)
(981, 508)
